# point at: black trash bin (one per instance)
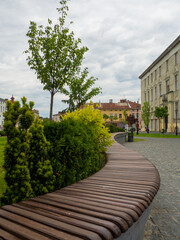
(130, 136)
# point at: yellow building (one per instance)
(56, 117)
(160, 87)
(115, 111)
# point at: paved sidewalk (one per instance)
(164, 221)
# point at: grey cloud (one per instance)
(123, 38)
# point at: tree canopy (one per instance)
(54, 53)
(80, 90)
(160, 113)
(146, 114)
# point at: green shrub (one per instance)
(77, 144)
(2, 133)
(112, 128)
(93, 119)
(41, 171)
(28, 170)
(16, 157)
(74, 154)
(68, 152)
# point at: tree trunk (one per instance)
(51, 106)
(159, 125)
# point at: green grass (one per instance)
(156, 135)
(136, 140)
(3, 141)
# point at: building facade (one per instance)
(160, 84)
(115, 111)
(57, 117)
(2, 110)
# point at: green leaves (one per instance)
(80, 90)
(146, 114)
(53, 53)
(28, 171)
(160, 112)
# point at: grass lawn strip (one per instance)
(156, 135)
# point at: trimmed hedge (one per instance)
(112, 128)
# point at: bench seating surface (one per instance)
(102, 206)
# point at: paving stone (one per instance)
(164, 220)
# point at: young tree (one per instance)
(160, 113)
(146, 115)
(17, 151)
(53, 53)
(105, 116)
(125, 116)
(80, 90)
(131, 119)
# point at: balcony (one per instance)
(164, 98)
(170, 96)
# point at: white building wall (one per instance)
(154, 88)
(2, 110)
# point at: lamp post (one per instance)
(137, 107)
(176, 120)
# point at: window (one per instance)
(151, 124)
(159, 89)
(151, 77)
(159, 71)
(148, 96)
(115, 115)
(151, 94)
(176, 108)
(155, 124)
(120, 115)
(145, 96)
(176, 82)
(155, 74)
(167, 65)
(111, 115)
(176, 58)
(167, 86)
(148, 80)
(155, 90)
(144, 82)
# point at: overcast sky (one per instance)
(123, 37)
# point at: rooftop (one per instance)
(168, 49)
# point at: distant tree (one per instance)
(131, 119)
(160, 113)
(80, 90)
(105, 116)
(53, 53)
(146, 115)
(125, 116)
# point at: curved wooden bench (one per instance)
(108, 205)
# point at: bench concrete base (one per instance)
(120, 137)
(136, 231)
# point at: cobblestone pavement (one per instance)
(164, 221)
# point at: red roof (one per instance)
(134, 105)
(123, 104)
(110, 106)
